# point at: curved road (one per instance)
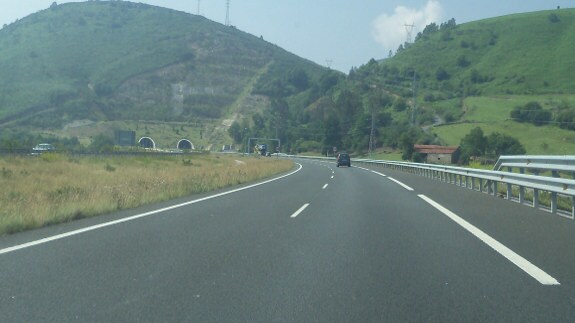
(322, 244)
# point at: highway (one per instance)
(321, 244)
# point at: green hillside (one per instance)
(79, 70)
(112, 60)
(517, 54)
(474, 75)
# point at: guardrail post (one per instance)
(521, 194)
(553, 202)
(509, 192)
(535, 198)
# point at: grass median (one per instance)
(54, 188)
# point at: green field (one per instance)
(492, 114)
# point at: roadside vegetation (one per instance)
(53, 188)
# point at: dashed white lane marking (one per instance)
(137, 216)
(401, 184)
(324, 187)
(300, 210)
(516, 259)
(378, 173)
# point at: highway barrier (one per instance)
(550, 193)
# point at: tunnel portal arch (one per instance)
(147, 142)
(185, 144)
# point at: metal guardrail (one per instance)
(553, 194)
(536, 164)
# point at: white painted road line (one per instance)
(401, 184)
(378, 173)
(516, 259)
(137, 216)
(300, 210)
(362, 168)
(324, 187)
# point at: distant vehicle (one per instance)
(343, 159)
(261, 149)
(42, 148)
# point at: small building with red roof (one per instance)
(435, 154)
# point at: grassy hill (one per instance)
(518, 54)
(118, 60)
(474, 74)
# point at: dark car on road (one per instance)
(343, 160)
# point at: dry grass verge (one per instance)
(53, 188)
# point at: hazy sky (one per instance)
(336, 33)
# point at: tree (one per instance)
(407, 142)
(448, 25)
(462, 61)
(400, 104)
(473, 144)
(102, 144)
(553, 18)
(332, 134)
(499, 144)
(532, 112)
(299, 79)
(259, 124)
(235, 131)
(441, 74)
(566, 119)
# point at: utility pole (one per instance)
(372, 133)
(228, 13)
(199, 7)
(414, 104)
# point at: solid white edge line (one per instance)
(137, 216)
(516, 259)
(401, 184)
(324, 187)
(300, 210)
(378, 173)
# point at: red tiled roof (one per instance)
(434, 149)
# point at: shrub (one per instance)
(532, 112)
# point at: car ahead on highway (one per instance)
(343, 159)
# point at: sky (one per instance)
(339, 34)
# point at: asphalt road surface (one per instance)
(322, 244)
